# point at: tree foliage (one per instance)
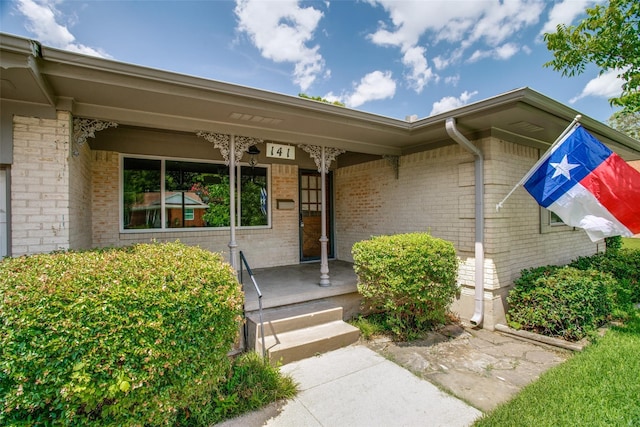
(626, 122)
(608, 37)
(320, 99)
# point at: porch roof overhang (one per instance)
(41, 77)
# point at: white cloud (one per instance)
(442, 62)
(506, 51)
(281, 30)
(449, 102)
(42, 20)
(501, 20)
(503, 52)
(565, 12)
(606, 85)
(478, 55)
(373, 86)
(452, 80)
(419, 72)
(462, 25)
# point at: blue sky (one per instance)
(389, 57)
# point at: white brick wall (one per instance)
(513, 236)
(105, 181)
(427, 196)
(80, 210)
(435, 193)
(40, 185)
(59, 201)
(278, 245)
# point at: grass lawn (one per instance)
(631, 243)
(597, 387)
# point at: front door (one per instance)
(310, 215)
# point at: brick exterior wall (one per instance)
(80, 210)
(105, 181)
(262, 247)
(431, 194)
(513, 236)
(40, 180)
(434, 193)
(281, 244)
(62, 201)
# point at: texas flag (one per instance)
(588, 186)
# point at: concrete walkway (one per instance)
(355, 386)
(385, 383)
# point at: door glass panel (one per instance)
(311, 214)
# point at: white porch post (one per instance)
(233, 246)
(231, 147)
(323, 156)
(324, 257)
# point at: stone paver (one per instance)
(484, 368)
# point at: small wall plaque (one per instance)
(281, 151)
(285, 204)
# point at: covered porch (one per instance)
(299, 317)
(300, 283)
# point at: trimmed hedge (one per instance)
(623, 265)
(129, 336)
(561, 301)
(410, 277)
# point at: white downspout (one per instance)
(453, 132)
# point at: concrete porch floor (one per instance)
(292, 284)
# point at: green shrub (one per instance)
(613, 243)
(409, 277)
(250, 384)
(561, 301)
(128, 336)
(623, 265)
(371, 325)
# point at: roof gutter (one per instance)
(455, 134)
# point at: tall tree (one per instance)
(608, 37)
(628, 123)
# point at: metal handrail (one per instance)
(255, 285)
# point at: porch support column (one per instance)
(323, 156)
(233, 246)
(231, 147)
(324, 253)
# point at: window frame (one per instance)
(548, 225)
(164, 228)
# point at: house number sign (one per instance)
(281, 151)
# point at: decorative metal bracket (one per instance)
(222, 142)
(243, 143)
(87, 128)
(394, 161)
(330, 154)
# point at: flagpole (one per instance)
(544, 157)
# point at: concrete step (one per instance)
(286, 319)
(300, 344)
(296, 332)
